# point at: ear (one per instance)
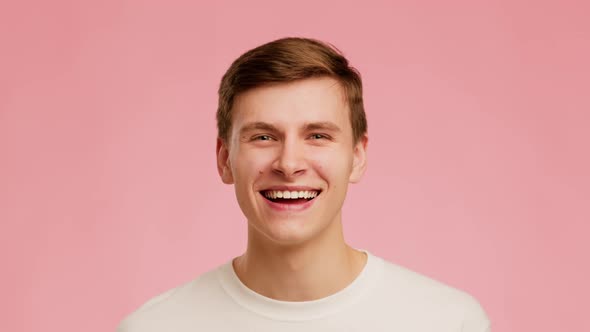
(223, 165)
(359, 161)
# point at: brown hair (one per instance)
(286, 60)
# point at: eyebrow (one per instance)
(258, 126)
(330, 126)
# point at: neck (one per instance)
(306, 272)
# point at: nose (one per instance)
(290, 161)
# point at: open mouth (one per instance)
(290, 197)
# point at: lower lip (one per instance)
(289, 206)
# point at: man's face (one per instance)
(291, 140)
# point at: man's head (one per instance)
(289, 139)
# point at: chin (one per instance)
(288, 232)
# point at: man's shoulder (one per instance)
(418, 285)
(173, 302)
(419, 293)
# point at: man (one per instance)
(292, 135)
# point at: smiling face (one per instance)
(291, 155)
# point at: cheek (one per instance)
(334, 163)
(250, 163)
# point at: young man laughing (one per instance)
(292, 136)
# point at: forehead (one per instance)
(302, 101)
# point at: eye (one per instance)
(318, 136)
(262, 138)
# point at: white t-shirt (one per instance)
(384, 297)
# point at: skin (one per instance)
(294, 134)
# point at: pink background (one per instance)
(479, 150)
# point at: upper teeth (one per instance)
(290, 194)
